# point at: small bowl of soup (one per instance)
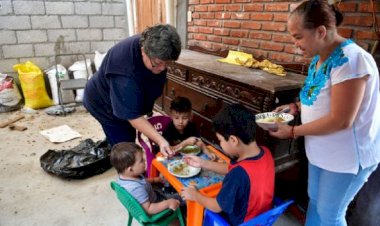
(190, 150)
(268, 120)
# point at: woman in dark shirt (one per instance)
(130, 79)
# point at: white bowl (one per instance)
(267, 120)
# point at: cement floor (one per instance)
(30, 196)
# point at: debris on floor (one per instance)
(60, 134)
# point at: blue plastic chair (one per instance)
(265, 219)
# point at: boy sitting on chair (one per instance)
(128, 160)
(181, 132)
(248, 186)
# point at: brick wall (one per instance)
(260, 26)
(37, 30)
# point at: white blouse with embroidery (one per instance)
(343, 151)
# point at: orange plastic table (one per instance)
(194, 209)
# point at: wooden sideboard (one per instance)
(210, 85)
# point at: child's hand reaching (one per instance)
(173, 204)
(189, 193)
(209, 154)
(193, 160)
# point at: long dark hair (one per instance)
(318, 12)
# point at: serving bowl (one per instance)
(190, 150)
(267, 120)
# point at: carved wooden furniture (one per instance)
(210, 85)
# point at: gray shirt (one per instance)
(140, 189)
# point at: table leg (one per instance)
(194, 214)
(153, 171)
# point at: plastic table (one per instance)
(207, 182)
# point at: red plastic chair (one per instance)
(160, 123)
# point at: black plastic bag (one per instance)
(85, 160)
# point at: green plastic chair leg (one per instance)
(130, 218)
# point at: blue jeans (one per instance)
(330, 194)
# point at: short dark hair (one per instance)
(162, 42)
(236, 120)
(123, 155)
(315, 13)
(180, 105)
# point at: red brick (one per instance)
(214, 8)
(239, 33)
(250, 44)
(347, 7)
(192, 42)
(301, 59)
(274, 27)
(261, 16)
(363, 44)
(251, 25)
(192, 2)
(200, 22)
(192, 29)
(345, 32)
(231, 24)
(206, 30)
(281, 57)
(272, 46)
(214, 39)
(214, 23)
(367, 35)
(200, 37)
(222, 1)
(233, 7)
(367, 7)
(283, 38)
(260, 35)
(291, 49)
(195, 15)
(254, 7)
(231, 41)
(222, 15)
(240, 16)
(222, 31)
(277, 7)
(217, 46)
(206, 1)
(283, 17)
(363, 21)
(206, 45)
(259, 53)
(242, 1)
(207, 15)
(200, 8)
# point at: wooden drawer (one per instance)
(176, 71)
(203, 104)
(255, 99)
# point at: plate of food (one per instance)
(267, 120)
(190, 150)
(180, 169)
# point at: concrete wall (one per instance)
(37, 30)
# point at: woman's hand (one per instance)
(292, 108)
(283, 131)
(165, 149)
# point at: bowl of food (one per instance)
(268, 120)
(190, 150)
(180, 169)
